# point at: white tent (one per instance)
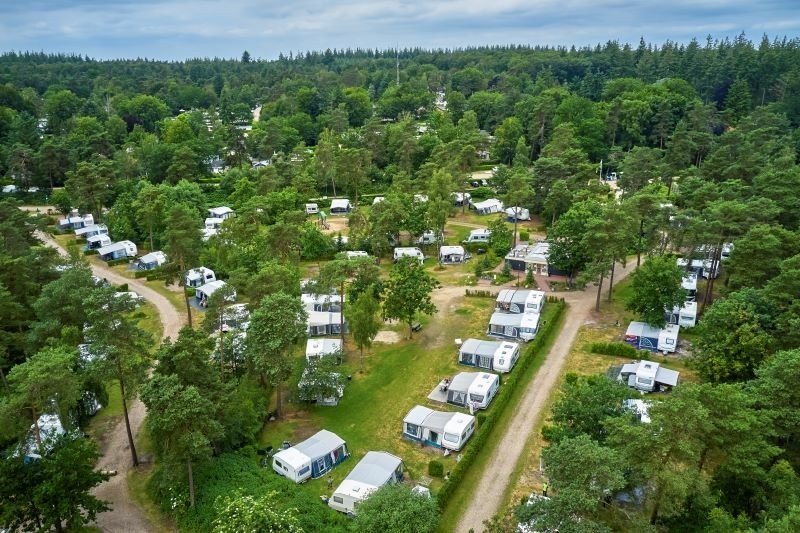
(452, 254)
(317, 348)
(340, 206)
(521, 326)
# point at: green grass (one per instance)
(462, 496)
(109, 415)
(396, 378)
(138, 479)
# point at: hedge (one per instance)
(619, 349)
(435, 468)
(480, 294)
(90, 252)
(115, 262)
(481, 435)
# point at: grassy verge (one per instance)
(464, 492)
(139, 477)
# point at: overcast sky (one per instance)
(178, 29)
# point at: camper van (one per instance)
(479, 235)
(372, 472)
(312, 458)
(438, 429)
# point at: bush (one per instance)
(481, 193)
(190, 292)
(123, 288)
(618, 349)
(89, 252)
(480, 294)
(435, 469)
(524, 235)
(115, 262)
(485, 428)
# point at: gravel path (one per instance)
(496, 476)
(125, 515)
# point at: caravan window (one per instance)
(644, 381)
(338, 499)
(451, 437)
(412, 429)
(278, 463)
(304, 470)
(476, 397)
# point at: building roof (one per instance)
(323, 318)
(535, 253)
(321, 443)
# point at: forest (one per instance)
(703, 140)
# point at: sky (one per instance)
(180, 29)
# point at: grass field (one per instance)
(396, 377)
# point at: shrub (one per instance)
(479, 294)
(524, 235)
(123, 288)
(435, 469)
(89, 252)
(618, 349)
(190, 292)
(115, 262)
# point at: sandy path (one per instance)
(498, 472)
(124, 515)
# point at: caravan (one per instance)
(500, 356)
(519, 301)
(372, 472)
(473, 389)
(521, 326)
(312, 458)
(437, 428)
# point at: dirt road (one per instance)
(124, 515)
(501, 466)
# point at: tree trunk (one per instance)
(516, 214)
(410, 330)
(151, 238)
(191, 482)
(362, 358)
(57, 525)
(134, 457)
(599, 290)
(3, 379)
(654, 512)
(611, 279)
(639, 248)
(278, 399)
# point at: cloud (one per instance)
(176, 29)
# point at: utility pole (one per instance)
(397, 56)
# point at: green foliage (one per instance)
(435, 468)
(246, 513)
(407, 292)
(502, 237)
(617, 349)
(53, 491)
(656, 288)
(395, 507)
(524, 235)
(239, 474)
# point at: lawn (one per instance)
(396, 377)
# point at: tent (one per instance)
(437, 428)
(643, 336)
(95, 242)
(520, 301)
(473, 389)
(340, 206)
(152, 260)
(91, 230)
(372, 472)
(487, 207)
(521, 326)
(452, 254)
(312, 458)
(500, 356)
